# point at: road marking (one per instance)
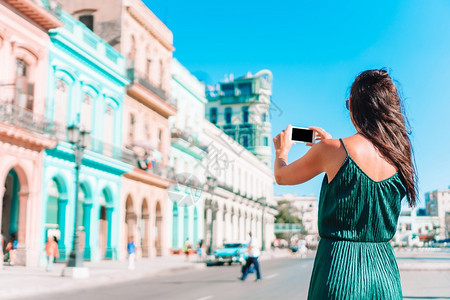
(272, 276)
(206, 298)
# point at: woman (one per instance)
(51, 248)
(367, 175)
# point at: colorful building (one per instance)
(86, 87)
(24, 133)
(241, 107)
(186, 199)
(147, 44)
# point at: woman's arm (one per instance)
(304, 168)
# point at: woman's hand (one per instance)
(320, 135)
(283, 142)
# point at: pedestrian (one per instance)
(11, 249)
(252, 259)
(199, 250)
(366, 177)
(131, 253)
(51, 248)
(187, 248)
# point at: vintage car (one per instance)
(231, 252)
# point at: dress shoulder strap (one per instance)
(345, 148)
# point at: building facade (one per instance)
(438, 204)
(86, 88)
(186, 199)
(306, 209)
(147, 44)
(415, 228)
(241, 107)
(238, 193)
(24, 133)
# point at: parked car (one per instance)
(231, 252)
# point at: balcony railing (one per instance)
(142, 79)
(21, 117)
(187, 136)
(111, 151)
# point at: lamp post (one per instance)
(74, 267)
(211, 181)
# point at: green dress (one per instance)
(357, 219)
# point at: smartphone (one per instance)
(305, 135)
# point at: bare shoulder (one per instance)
(328, 146)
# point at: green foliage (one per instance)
(286, 213)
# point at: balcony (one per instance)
(21, 117)
(152, 96)
(142, 79)
(44, 12)
(189, 140)
(111, 151)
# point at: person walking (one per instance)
(252, 259)
(11, 248)
(366, 177)
(51, 248)
(187, 248)
(131, 254)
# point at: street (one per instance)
(283, 278)
(286, 278)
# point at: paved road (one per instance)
(286, 278)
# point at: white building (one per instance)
(240, 199)
(306, 209)
(185, 213)
(438, 204)
(414, 229)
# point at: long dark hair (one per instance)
(378, 114)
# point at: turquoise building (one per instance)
(241, 107)
(86, 87)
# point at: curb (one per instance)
(102, 280)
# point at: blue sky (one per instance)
(315, 49)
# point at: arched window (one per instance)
(86, 112)
(60, 103)
(108, 125)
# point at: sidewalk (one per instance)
(423, 259)
(17, 281)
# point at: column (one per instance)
(87, 207)
(62, 204)
(110, 252)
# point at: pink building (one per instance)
(147, 43)
(24, 133)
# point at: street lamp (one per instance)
(211, 182)
(77, 138)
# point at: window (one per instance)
(228, 114)
(86, 113)
(132, 123)
(148, 68)
(245, 88)
(161, 73)
(264, 117)
(108, 127)
(60, 103)
(245, 141)
(24, 89)
(213, 115)
(228, 89)
(408, 226)
(87, 20)
(160, 133)
(265, 141)
(245, 114)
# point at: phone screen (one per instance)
(302, 135)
